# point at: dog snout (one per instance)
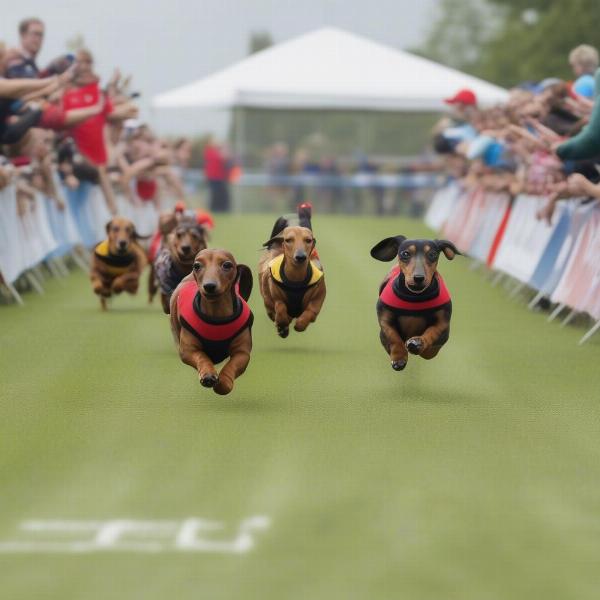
(210, 287)
(419, 279)
(186, 249)
(122, 245)
(300, 256)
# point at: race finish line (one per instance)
(127, 535)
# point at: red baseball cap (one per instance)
(463, 97)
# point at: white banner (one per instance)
(524, 240)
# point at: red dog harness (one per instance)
(216, 335)
(393, 299)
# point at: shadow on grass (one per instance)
(232, 405)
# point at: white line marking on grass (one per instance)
(128, 535)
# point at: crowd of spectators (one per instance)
(544, 141)
(63, 131)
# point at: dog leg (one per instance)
(433, 337)
(191, 355)
(282, 319)
(393, 343)
(237, 363)
(127, 282)
(310, 314)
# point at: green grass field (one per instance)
(475, 476)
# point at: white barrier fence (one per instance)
(557, 261)
(39, 232)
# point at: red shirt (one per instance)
(89, 135)
(215, 166)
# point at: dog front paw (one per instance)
(300, 326)
(223, 387)
(398, 365)
(283, 331)
(209, 380)
(415, 345)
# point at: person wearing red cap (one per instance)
(464, 104)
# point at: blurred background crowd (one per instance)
(544, 141)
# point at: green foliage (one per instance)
(522, 52)
(460, 28)
(509, 41)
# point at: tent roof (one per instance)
(330, 69)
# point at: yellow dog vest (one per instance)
(115, 264)
(294, 290)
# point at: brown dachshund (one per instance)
(291, 278)
(175, 259)
(414, 307)
(210, 319)
(118, 261)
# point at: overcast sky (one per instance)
(166, 43)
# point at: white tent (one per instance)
(330, 69)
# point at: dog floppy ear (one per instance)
(108, 226)
(244, 278)
(278, 239)
(448, 248)
(387, 249)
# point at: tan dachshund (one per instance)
(291, 278)
(175, 259)
(414, 307)
(118, 261)
(211, 320)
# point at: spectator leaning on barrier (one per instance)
(584, 62)
(21, 61)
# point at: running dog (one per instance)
(118, 261)
(211, 320)
(291, 277)
(414, 306)
(175, 259)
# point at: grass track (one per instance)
(475, 476)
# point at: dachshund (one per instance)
(414, 306)
(118, 261)
(210, 319)
(176, 258)
(292, 283)
(167, 221)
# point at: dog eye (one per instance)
(197, 266)
(227, 265)
(289, 240)
(432, 256)
(308, 241)
(405, 255)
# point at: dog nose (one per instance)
(300, 256)
(419, 279)
(186, 249)
(122, 244)
(209, 287)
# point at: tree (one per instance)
(459, 32)
(528, 49)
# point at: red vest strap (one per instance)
(389, 298)
(209, 331)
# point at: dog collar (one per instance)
(396, 296)
(313, 274)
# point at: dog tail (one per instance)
(280, 225)
(302, 218)
(305, 214)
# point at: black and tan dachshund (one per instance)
(414, 306)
